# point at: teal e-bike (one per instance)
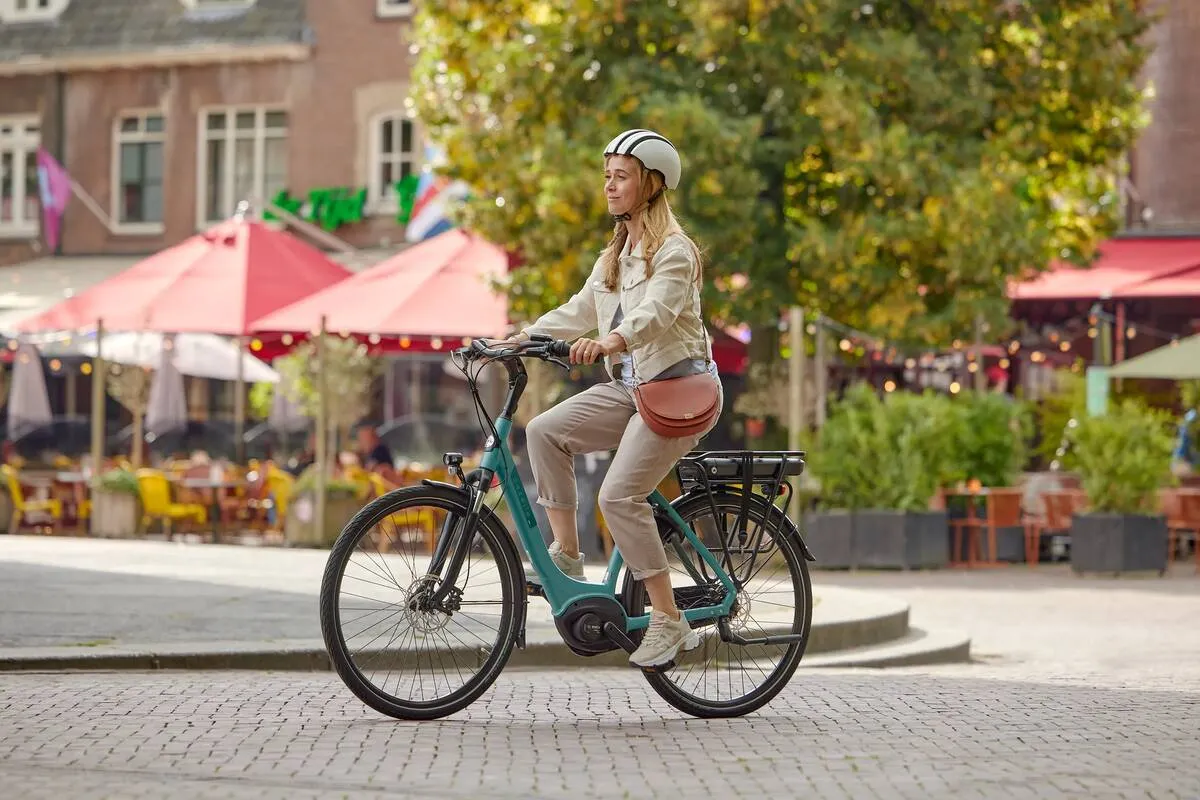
(420, 632)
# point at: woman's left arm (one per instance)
(668, 290)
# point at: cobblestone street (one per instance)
(599, 734)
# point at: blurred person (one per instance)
(371, 449)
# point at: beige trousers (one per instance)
(602, 418)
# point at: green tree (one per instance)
(349, 371)
(890, 164)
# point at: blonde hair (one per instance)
(658, 223)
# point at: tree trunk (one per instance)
(764, 350)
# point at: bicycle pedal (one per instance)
(667, 667)
(534, 589)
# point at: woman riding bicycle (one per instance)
(642, 303)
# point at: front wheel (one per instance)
(399, 652)
(766, 561)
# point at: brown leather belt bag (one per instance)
(678, 407)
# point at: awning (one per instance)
(1124, 268)
(219, 281)
(1182, 284)
(34, 286)
(1178, 361)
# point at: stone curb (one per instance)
(543, 650)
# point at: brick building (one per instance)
(169, 112)
(1165, 163)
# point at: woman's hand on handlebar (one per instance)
(588, 351)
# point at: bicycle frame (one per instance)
(560, 590)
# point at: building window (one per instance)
(394, 8)
(19, 193)
(138, 176)
(244, 157)
(30, 10)
(393, 157)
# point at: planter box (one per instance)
(1118, 543)
(115, 514)
(830, 537)
(1010, 544)
(6, 511)
(901, 539)
(301, 530)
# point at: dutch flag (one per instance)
(434, 193)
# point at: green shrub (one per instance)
(119, 481)
(890, 453)
(334, 487)
(993, 438)
(1123, 457)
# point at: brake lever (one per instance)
(559, 362)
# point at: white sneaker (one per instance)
(664, 640)
(571, 567)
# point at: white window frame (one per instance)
(382, 199)
(230, 137)
(207, 5)
(394, 8)
(21, 143)
(10, 12)
(141, 136)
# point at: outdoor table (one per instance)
(215, 485)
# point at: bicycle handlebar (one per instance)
(543, 347)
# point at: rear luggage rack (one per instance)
(762, 472)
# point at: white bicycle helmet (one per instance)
(654, 150)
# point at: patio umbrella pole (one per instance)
(322, 434)
(239, 405)
(98, 370)
(796, 390)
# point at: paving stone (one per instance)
(552, 735)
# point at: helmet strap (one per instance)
(628, 216)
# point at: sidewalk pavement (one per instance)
(105, 603)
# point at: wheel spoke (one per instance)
(719, 678)
(401, 653)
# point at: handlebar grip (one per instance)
(559, 349)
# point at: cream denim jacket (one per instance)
(662, 323)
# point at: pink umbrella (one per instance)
(440, 287)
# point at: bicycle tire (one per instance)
(633, 594)
(511, 578)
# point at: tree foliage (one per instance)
(890, 164)
(348, 371)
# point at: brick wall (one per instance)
(359, 69)
(1166, 160)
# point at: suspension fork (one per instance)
(454, 541)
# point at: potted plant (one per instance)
(116, 505)
(879, 462)
(990, 448)
(343, 499)
(1123, 458)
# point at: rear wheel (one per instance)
(766, 562)
(399, 652)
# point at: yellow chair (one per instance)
(279, 488)
(22, 506)
(155, 492)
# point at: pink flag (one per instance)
(55, 186)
